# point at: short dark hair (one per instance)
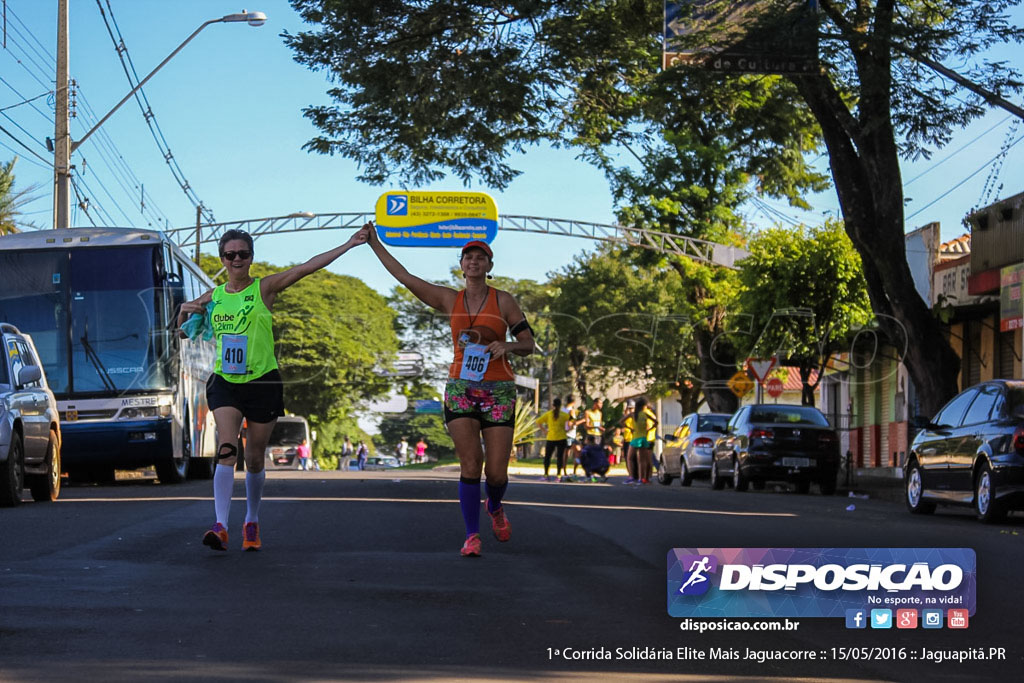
(591, 438)
(234, 234)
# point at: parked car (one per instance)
(29, 423)
(688, 451)
(381, 462)
(970, 453)
(772, 442)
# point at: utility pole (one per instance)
(62, 133)
(199, 228)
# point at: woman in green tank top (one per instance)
(245, 383)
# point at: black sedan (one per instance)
(970, 453)
(771, 442)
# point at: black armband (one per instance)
(520, 326)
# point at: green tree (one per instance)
(11, 200)
(877, 100)
(805, 294)
(331, 334)
(518, 73)
(413, 425)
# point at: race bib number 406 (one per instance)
(474, 362)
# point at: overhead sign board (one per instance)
(427, 406)
(742, 36)
(1011, 313)
(435, 219)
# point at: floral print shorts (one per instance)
(493, 404)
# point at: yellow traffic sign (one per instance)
(740, 384)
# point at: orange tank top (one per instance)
(488, 316)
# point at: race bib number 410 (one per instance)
(474, 362)
(234, 353)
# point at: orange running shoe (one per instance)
(499, 523)
(216, 537)
(471, 548)
(251, 536)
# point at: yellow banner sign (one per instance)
(435, 219)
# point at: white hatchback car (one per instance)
(29, 423)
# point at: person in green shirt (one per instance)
(554, 424)
(246, 384)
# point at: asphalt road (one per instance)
(360, 579)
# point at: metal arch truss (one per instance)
(688, 247)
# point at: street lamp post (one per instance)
(63, 146)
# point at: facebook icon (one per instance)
(856, 618)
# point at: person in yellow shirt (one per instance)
(645, 430)
(554, 423)
(629, 454)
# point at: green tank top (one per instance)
(243, 326)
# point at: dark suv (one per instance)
(29, 426)
(970, 453)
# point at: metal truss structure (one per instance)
(688, 247)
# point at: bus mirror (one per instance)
(177, 288)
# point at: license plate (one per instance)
(796, 462)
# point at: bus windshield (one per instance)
(92, 314)
(288, 433)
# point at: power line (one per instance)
(979, 170)
(27, 148)
(953, 154)
(28, 101)
(118, 165)
(147, 111)
(46, 116)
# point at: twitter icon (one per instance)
(881, 618)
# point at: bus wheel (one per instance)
(174, 470)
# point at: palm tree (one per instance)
(11, 201)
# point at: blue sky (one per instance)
(229, 106)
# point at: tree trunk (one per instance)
(865, 168)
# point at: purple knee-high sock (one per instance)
(469, 501)
(494, 495)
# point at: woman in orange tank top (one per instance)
(480, 395)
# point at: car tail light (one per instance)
(757, 433)
(1018, 439)
(703, 442)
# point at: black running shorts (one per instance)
(260, 400)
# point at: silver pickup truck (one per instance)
(29, 423)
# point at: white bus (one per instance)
(101, 306)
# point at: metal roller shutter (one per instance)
(885, 410)
(1006, 355)
(973, 349)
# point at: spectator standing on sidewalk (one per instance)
(347, 451)
(421, 449)
(554, 422)
(361, 454)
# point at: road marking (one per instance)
(347, 499)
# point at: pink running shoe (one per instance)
(499, 523)
(217, 537)
(471, 548)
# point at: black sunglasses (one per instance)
(244, 254)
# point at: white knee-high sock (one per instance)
(253, 495)
(223, 482)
